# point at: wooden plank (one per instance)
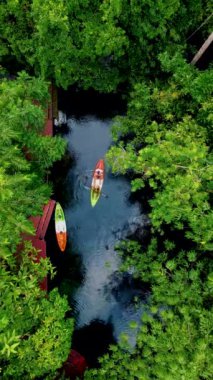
(36, 221)
(48, 129)
(50, 107)
(51, 112)
(54, 102)
(40, 245)
(45, 219)
(202, 50)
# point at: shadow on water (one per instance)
(102, 299)
(79, 103)
(93, 341)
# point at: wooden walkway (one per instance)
(52, 111)
(41, 224)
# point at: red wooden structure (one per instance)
(48, 128)
(41, 224)
(75, 365)
(52, 111)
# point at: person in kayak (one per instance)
(97, 189)
(97, 184)
(98, 174)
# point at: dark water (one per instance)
(102, 299)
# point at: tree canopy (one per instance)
(174, 339)
(172, 123)
(95, 43)
(35, 336)
(23, 191)
(163, 144)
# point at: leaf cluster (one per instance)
(174, 339)
(97, 44)
(34, 333)
(170, 127)
(23, 192)
(165, 142)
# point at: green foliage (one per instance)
(97, 43)
(163, 141)
(34, 335)
(23, 192)
(174, 159)
(78, 42)
(174, 340)
(161, 104)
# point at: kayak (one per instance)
(97, 182)
(60, 227)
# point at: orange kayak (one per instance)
(97, 182)
(60, 227)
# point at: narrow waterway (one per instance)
(102, 299)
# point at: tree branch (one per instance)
(202, 50)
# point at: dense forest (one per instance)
(142, 50)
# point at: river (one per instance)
(102, 299)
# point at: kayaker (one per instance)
(98, 174)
